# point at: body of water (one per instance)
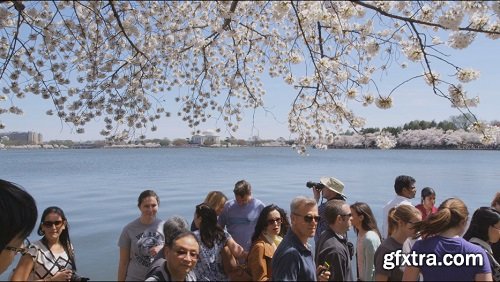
(98, 189)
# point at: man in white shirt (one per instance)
(405, 189)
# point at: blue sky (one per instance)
(413, 101)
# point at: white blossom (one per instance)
(383, 103)
(372, 47)
(352, 93)
(368, 100)
(413, 53)
(452, 18)
(431, 78)
(386, 141)
(460, 39)
(467, 75)
(90, 67)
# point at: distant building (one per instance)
(23, 138)
(207, 137)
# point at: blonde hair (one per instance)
(451, 213)
(214, 199)
(405, 213)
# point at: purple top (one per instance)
(441, 246)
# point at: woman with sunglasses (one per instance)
(441, 238)
(212, 240)
(271, 226)
(141, 239)
(366, 228)
(401, 220)
(52, 258)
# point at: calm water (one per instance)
(98, 189)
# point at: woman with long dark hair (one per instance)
(271, 226)
(366, 228)
(440, 234)
(52, 258)
(484, 230)
(212, 240)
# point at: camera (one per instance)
(315, 185)
(78, 278)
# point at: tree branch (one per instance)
(115, 13)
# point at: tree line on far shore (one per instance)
(452, 133)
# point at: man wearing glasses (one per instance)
(333, 249)
(405, 189)
(293, 260)
(17, 219)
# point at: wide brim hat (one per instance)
(333, 184)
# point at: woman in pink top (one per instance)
(426, 207)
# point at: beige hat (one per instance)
(333, 184)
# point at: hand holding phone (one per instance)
(323, 272)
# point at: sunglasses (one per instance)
(183, 253)
(273, 220)
(56, 223)
(23, 250)
(309, 218)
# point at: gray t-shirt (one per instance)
(139, 238)
(388, 245)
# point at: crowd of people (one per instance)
(243, 239)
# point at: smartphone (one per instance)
(326, 265)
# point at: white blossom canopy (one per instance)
(112, 59)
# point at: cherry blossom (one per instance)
(116, 61)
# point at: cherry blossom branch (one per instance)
(412, 20)
(119, 22)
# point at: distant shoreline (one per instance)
(123, 147)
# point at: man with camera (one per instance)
(329, 188)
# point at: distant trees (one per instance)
(453, 123)
(179, 142)
(462, 121)
(431, 138)
(451, 133)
